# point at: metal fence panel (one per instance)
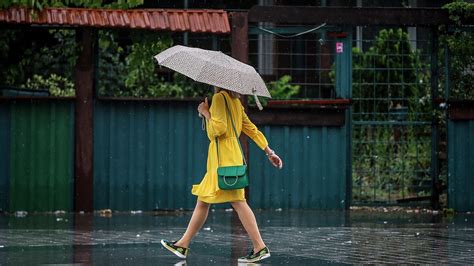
(4, 155)
(314, 172)
(307, 58)
(41, 177)
(392, 122)
(460, 165)
(147, 155)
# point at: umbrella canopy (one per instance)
(214, 68)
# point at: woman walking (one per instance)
(226, 109)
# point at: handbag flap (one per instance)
(238, 170)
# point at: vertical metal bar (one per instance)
(359, 33)
(372, 131)
(185, 34)
(84, 82)
(434, 122)
(446, 71)
(345, 91)
(215, 44)
(446, 99)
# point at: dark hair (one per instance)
(232, 94)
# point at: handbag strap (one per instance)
(235, 132)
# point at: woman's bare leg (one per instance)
(197, 221)
(249, 222)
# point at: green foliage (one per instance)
(142, 79)
(461, 48)
(22, 58)
(390, 162)
(8, 74)
(390, 83)
(390, 72)
(283, 89)
(111, 70)
(131, 70)
(459, 10)
(56, 85)
(280, 89)
(40, 4)
(59, 57)
(124, 69)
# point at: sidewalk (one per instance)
(294, 237)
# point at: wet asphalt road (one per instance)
(294, 237)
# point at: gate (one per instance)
(308, 121)
(394, 135)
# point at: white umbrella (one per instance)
(214, 68)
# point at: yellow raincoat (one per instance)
(229, 152)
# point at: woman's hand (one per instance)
(203, 109)
(273, 158)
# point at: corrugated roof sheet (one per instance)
(191, 20)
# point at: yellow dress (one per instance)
(229, 152)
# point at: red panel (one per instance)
(211, 21)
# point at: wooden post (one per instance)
(240, 51)
(84, 83)
(239, 45)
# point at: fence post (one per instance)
(344, 90)
(435, 186)
(239, 46)
(240, 51)
(84, 82)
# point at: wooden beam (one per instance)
(35, 99)
(84, 83)
(461, 109)
(350, 16)
(299, 116)
(240, 51)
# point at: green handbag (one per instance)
(231, 177)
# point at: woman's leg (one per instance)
(249, 222)
(197, 220)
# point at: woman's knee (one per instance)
(202, 205)
(238, 205)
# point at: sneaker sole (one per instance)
(257, 259)
(173, 251)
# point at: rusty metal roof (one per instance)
(191, 20)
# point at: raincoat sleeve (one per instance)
(252, 131)
(218, 122)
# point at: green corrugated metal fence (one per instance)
(147, 155)
(39, 156)
(461, 165)
(4, 155)
(314, 175)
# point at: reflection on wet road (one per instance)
(294, 237)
